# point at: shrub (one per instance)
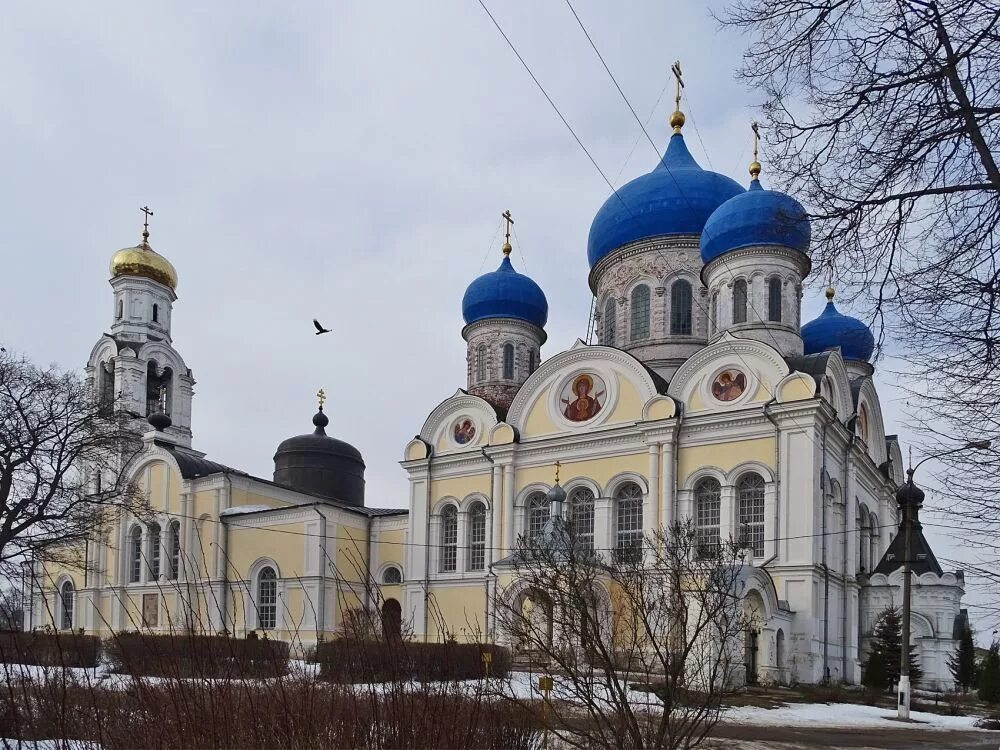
(191, 655)
(49, 649)
(348, 660)
(989, 675)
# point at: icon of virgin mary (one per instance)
(584, 406)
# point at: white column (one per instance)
(497, 509)
(770, 520)
(215, 569)
(145, 575)
(668, 503)
(186, 526)
(461, 561)
(652, 502)
(604, 535)
(727, 513)
(509, 535)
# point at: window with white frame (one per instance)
(66, 602)
(708, 506)
(449, 539)
(750, 502)
(581, 518)
(740, 301)
(154, 551)
(477, 536)
(392, 576)
(713, 321)
(863, 543)
(267, 598)
(508, 361)
(628, 516)
(774, 299)
(537, 514)
(135, 555)
(639, 313)
(874, 555)
(609, 322)
(680, 308)
(175, 550)
(480, 363)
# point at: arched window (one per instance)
(480, 363)
(708, 502)
(628, 515)
(121, 310)
(873, 555)
(680, 308)
(862, 426)
(392, 618)
(477, 537)
(713, 320)
(66, 596)
(154, 551)
(156, 313)
(581, 517)
(106, 373)
(267, 599)
(609, 322)
(508, 361)
(449, 539)
(135, 555)
(774, 299)
(750, 499)
(740, 301)
(532, 361)
(863, 543)
(392, 576)
(640, 313)
(538, 514)
(175, 550)
(779, 649)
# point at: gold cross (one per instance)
(756, 138)
(510, 222)
(321, 395)
(676, 70)
(558, 464)
(145, 224)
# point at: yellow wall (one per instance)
(391, 547)
(247, 545)
(601, 470)
(725, 456)
(461, 610)
(628, 408)
(461, 487)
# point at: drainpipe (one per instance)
(321, 620)
(427, 543)
(677, 468)
(777, 477)
(368, 564)
(223, 552)
(494, 519)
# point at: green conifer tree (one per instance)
(963, 662)
(874, 674)
(888, 640)
(989, 675)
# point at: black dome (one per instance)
(318, 464)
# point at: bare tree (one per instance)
(62, 454)
(884, 116)
(642, 643)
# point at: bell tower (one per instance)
(135, 363)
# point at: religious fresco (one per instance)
(729, 385)
(583, 398)
(464, 431)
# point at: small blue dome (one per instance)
(832, 329)
(505, 293)
(756, 217)
(677, 197)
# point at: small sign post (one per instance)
(545, 684)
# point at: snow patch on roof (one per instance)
(240, 510)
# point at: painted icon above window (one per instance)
(583, 398)
(729, 385)
(464, 431)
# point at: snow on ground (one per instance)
(841, 715)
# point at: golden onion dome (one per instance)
(142, 260)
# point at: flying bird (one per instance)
(320, 330)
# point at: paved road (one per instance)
(804, 738)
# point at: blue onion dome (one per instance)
(832, 329)
(756, 217)
(505, 293)
(677, 197)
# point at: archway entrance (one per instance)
(751, 656)
(534, 626)
(392, 619)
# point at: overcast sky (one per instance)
(346, 161)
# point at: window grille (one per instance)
(449, 539)
(774, 299)
(392, 576)
(154, 551)
(640, 313)
(480, 363)
(629, 521)
(538, 514)
(267, 599)
(477, 537)
(66, 596)
(581, 518)
(714, 314)
(708, 502)
(750, 498)
(135, 558)
(175, 550)
(740, 301)
(680, 308)
(508, 361)
(609, 323)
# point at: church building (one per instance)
(704, 397)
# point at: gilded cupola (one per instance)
(142, 260)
